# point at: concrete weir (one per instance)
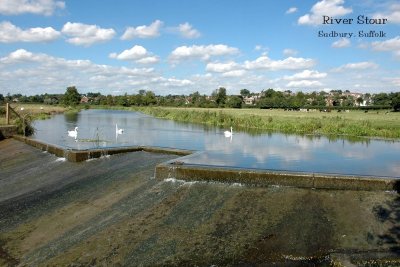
(179, 170)
(75, 155)
(189, 172)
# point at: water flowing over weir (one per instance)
(111, 211)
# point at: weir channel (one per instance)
(178, 169)
(110, 211)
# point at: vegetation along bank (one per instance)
(354, 123)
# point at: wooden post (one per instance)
(7, 113)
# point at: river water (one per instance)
(273, 151)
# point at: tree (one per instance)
(220, 96)
(234, 102)
(195, 98)
(110, 100)
(359, 100)
(122, 100)
(1, 98)
(71, 97)
(269, 93)
(244, 92)
(396, 101)
(149, 98)
(381, 99)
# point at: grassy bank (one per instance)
(354, 123)
(35, 111)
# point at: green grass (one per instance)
(380, 124)
(35, 111)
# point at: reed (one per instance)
(354, 123)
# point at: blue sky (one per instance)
(182, 46)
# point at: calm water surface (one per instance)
(97, 128)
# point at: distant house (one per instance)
(84, 99)
(249, 100)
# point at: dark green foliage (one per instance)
(270, 98)
(396, 101)
(220, 96)
(24, 125)
(244, 92)
(234, 102)
(71, 97)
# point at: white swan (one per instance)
(228, 133)
(118, 131)
(73, 133)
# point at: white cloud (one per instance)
(137, 53)
(357, 66)
(201, 51)
(395, 81)
(34, 72)
(304, 83)
(332, 8)
(143, 31)
(234, 73)
(134, 53)
(391, 45)
(392, 14)
(86, 35)
(341, 43)
(306, 74)
(167, 82)
(290, 63)
(291, 10)
(289, 52)
(221, 67)
(228, 69)
(148, 60)
(19, 55)
(10, 33)
(187, 31)
(39, 7)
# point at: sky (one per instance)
(182, 46)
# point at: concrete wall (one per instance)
(187, 172)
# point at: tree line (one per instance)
(269, 98)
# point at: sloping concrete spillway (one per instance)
(111, 211)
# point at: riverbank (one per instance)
(355, 123)
(35, 111)
(377, 124)
(111, 211)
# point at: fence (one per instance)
(23, 123)
(10, 110)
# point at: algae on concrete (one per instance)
(111, 211)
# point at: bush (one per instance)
(24, 126)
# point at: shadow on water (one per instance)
(71, 117)
(390, 213)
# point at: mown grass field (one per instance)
(381, 124)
